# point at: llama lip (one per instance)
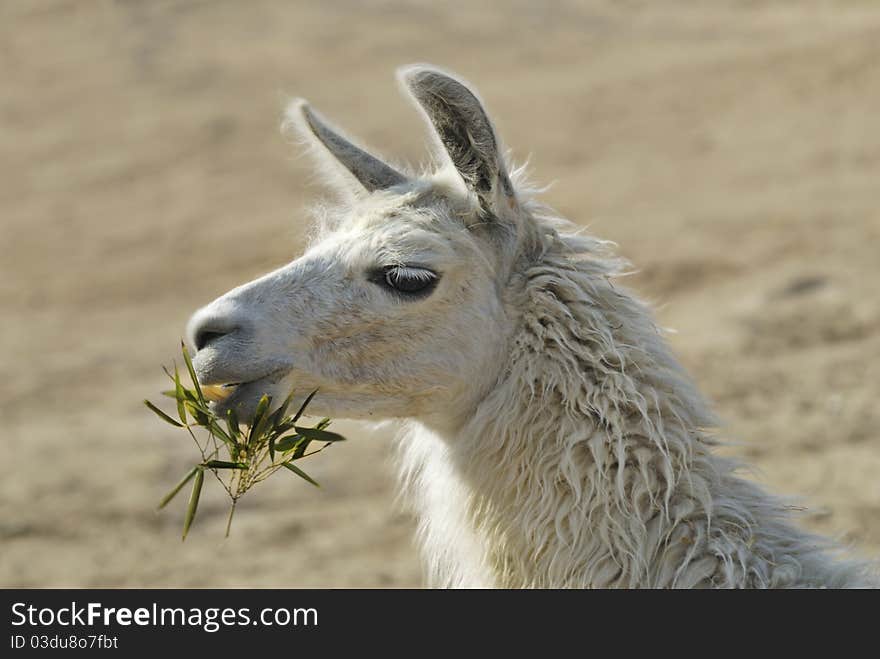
(241, 396)
(217, 393)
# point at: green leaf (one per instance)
(234, 434)
(282, 428)
(192, 373)
(190, 396)
(302, 408)
(320, 435)
(180, 396)
(235, 451)
(162, 415)
(278, 415)
(258, 425)
(323, 423)
(232, 423)
(222, 464)
(288, 442)
(177, 488)
(201, 417)
(301, 449)
(217, 430)
(193, 501)
(299, 472)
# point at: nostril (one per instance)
(219, 320)
(206, 336)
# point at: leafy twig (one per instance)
(255, 452)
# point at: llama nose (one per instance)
(206, 329)
(206, 335)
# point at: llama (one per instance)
(550, 437)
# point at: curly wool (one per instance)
(590, 463)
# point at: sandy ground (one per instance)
(732, 150)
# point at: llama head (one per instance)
(399, 308)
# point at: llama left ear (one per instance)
(463, 129)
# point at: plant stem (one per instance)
(231, 513)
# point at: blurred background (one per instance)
(731, 148)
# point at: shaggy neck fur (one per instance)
(589, 463)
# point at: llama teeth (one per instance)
(217, 392)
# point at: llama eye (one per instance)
(409, 280)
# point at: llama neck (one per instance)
(588, 466)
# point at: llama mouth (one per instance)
(217, 393)
(241, 396)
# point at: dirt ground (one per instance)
(732, 150)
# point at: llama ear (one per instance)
(370, 171)
(462, 127)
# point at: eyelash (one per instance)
(410, 281)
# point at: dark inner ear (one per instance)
(468, 140)
(462, 126)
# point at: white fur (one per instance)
(552, 439)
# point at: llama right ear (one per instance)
(370, 171)
(463, 129)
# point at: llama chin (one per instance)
(552, 439)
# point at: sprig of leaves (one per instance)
(272, 440)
